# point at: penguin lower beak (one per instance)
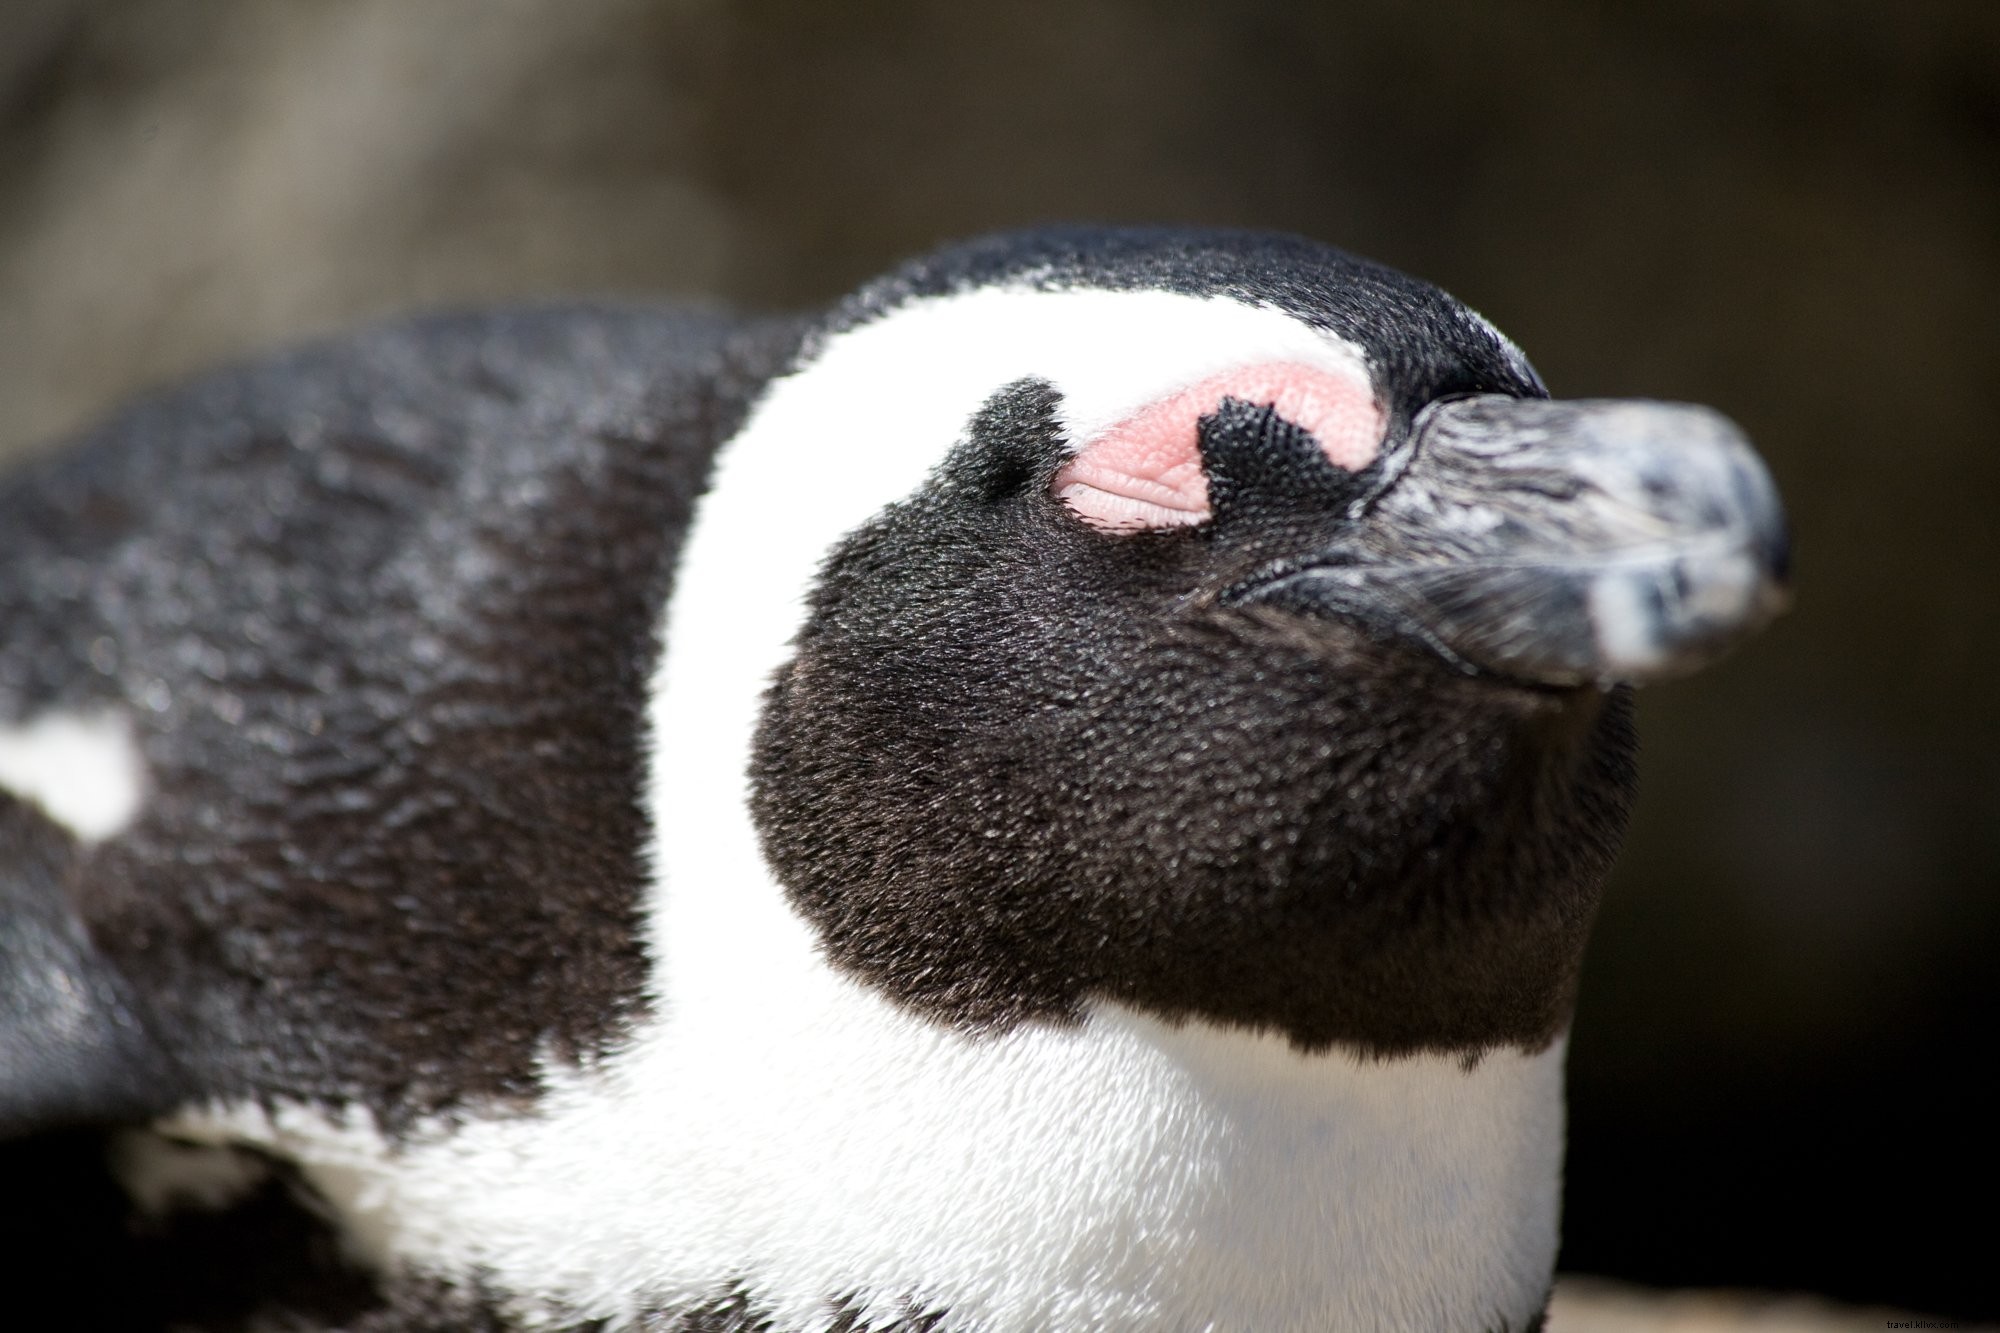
(1559, 543)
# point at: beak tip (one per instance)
(1652, 625)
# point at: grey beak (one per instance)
(1562, 543)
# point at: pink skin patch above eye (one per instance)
(1145, 472)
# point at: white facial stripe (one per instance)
(1109, 354)
(82, 769)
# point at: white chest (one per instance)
(1120, 1175)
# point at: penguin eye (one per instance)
(1145, 473)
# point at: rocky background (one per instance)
(1787, 208)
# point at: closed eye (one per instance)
(1145, 473)
(1116, 495)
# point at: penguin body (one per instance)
(1065, 794)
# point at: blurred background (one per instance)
(1787, 208)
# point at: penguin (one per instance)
(1064, 793)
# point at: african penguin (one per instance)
(1064, 794)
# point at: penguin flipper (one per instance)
(73, 1049)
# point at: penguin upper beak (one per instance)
(1560, 543)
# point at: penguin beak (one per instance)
(1558, 543)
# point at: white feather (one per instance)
(82, 769)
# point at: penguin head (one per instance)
(1255, 646)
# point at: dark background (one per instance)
(1787, 208)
